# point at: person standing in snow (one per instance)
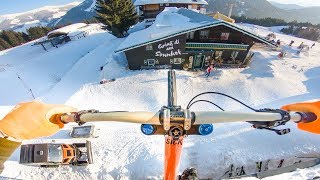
(313, 45)
(208, 70)
(278, 42)
(35, 119)
(291, 43)
(301, 45)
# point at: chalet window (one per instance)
(234, 54)
(161, 5)
(167, 4)
(150, 62)
(204, 34)
(224, 36)
(149, 47)
(190, 35)
(177, 61)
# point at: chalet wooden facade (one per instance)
(148, 10)
(214, 42)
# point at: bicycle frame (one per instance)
(173, 148)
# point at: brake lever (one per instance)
(269, 125)
(279, 131)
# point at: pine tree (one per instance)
(10, 37)
(4, 45)
(116, 15)
(19, 37)
(38, 32)
(25, 37)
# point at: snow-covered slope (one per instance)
(120, 150)
(40, 70)
(37, 17)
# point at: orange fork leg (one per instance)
(172, 157)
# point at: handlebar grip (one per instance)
(307, 117)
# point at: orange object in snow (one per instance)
(33, 119)
(172, 157)
(313, 107)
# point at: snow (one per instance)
(70, 74)
(68, 29)
(30, 24)
(88, 28)
(44, 15)
(52, 8)
(91, 8)
(144, 2)
(50, 66)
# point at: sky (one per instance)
(17, 6)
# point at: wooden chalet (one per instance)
(184, 39)
(149, 9)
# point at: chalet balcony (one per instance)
(195, 46)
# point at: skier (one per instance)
(301, 45)
(313, 45)
(208, 71)
(291, 43)
(35, 119)
(278, 42)
(281, 55)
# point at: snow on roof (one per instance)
(84, 29)
(174, 21)
(143, 2)
(67, 29)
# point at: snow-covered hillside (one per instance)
(37, 17)
(69, 74)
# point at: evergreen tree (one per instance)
(10, 37)
(25, 37)
(116, 15)
(19, 37)
(37, 32)
(4, 45)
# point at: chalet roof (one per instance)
(65, 30)
(144, 2)
(173, 22)
(83, 29)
